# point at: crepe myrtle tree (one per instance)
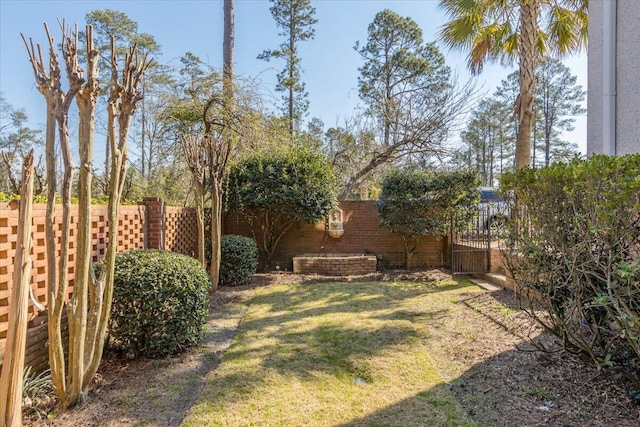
(89, 306)
(416, 203)
(276, 189)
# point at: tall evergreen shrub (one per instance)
(575, 247)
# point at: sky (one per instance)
(329, 61)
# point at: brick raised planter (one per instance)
(334, 264)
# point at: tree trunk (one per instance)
(484, 160)
(219, 154)
(79, 304)
(492, 139)
(107, 160)
(358, 177)
(63, 256)
(547, 145)
(410, 244)
(55, 291)
(15, 345)
(143, 162)
(528, 59)
(87, 298)
(292, 50)
(228, 40)
(216, 233)
(199, 199)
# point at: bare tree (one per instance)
(13, 361)
(421, 130)
(195, 153)
(89, 307)
(58, 104)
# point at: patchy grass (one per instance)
(480, 347)
(334, 354)
(504, 310)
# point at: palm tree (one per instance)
(528, 30)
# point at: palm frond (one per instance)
(489, 29)
(566, 30)
(510, 49)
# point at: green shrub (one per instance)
(415, 203)
(36, 387)
(238, 259)
(160, 302)
(575, 245)
(274, 190)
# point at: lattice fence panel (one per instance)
(130, 228)
(181, 231)
(130, 236)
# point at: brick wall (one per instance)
(130, 236)
(153, 225)
(170, 228)
(362, 234)
(181, 231)
(335, 264)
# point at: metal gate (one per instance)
(470, 241)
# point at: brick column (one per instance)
(155, 223)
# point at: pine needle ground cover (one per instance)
(334, 354)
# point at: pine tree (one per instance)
(296, 19)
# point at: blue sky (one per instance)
(330, 63)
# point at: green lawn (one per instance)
(334, 354)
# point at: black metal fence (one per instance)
(471, 237)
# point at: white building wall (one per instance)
(627, 80)
(595, 63)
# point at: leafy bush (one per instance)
(575, 246)
(160, 302)
(239, 259)
(274, 190)
(416, 203)
(10, 197)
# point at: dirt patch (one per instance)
(158, 392)
(491, 355)
(482, 348)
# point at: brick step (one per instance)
(486, 285)
(497, 279)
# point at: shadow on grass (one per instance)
(304, 323)
(324, 338)
(307, 333)
(322, 298)
(432, 407)
(320, 339)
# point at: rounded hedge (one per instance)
(238, 259)
(160, 302)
